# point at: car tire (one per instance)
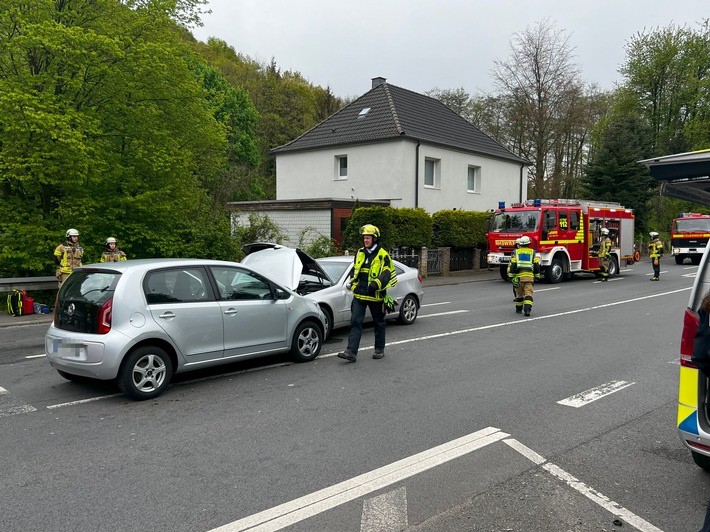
(409, 310)
(328, 320)
(504, 273)
(307, 342)
(701, 460)
(145, 373)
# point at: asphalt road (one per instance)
(475, 420)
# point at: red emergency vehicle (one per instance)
(564, 232)
(689, 236)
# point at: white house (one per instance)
(396, 147)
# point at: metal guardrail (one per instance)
(28, 283)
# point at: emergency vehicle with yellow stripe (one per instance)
(689, 236)
(565, 233)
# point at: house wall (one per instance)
(293, 222)
(387, 170)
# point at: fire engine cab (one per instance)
(565, 233)
(689, 236)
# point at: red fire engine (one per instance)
(564, 232)
(689, 236)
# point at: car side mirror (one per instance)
(282, 294)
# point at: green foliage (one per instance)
(316, 246)
(105, 127)
(411, 227)
(260, 228)
(378, 216)
(459, 229)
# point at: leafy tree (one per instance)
(104, 127)
(614, 173)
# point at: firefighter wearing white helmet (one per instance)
(112, 253)
(655, 251)
(524, 270)
(68, 255)
(604, 254)
(371, 275)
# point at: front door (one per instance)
(255, 322)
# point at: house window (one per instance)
(431, 173)
(341, 167)
(474, 179)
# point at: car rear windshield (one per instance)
(81, 297)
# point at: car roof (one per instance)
(150, 264)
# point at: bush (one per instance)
(459, 229)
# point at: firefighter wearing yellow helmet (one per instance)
(371, 275)
(68, 255)
(112, 253)
(655, 251)
(524, 270)
(604, 254)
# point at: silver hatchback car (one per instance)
(141, 321)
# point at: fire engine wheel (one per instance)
(695, 259)
(613, 267)
(555, 272)
(504, 273)
(679, 259)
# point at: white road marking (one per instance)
(9, 407)
(36, 356)
(547, 289)
(434, 304)
(385, 512)
(82, 401)
(309, 505)
(609, 279)
(662, 271)
(675, 361)
(592, 494)
(691, 267)
(690, 275)
(591, 395)
(441, 314)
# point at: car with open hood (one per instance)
(324, 280)
(141, 321)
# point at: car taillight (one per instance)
(420, 278)
(690, 326)
(104, 317)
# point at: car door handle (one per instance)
(230, 311)
(167, 315)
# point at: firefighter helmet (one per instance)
(653, 234)
(371, 230)
(72, 232)
(111, 240)
(524, 240)
(605, 231)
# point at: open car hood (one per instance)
(684, 176)
(282, 264)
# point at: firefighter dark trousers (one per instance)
(524, 296)
(357, 317)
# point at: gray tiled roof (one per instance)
(397, 113)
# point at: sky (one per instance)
(420, 45)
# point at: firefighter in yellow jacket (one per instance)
(524, 270)
(112, 253)
(604, 254)
(68, 255)
(655, 250)
(372, 274)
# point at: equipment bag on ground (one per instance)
(19, 303)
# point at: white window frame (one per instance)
(435, 165)
(339, 176)
(476, 171)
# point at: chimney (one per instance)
(376, 82)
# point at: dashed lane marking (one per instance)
(591, 395)
(434, 304)
(592, 494)
(441, 314)
(315, 503)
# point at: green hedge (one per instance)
(415, 228)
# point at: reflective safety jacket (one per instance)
(604, 247)
(69, 256)
(372, 274)
(113, 256)
(524, 264)
(655, 248)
